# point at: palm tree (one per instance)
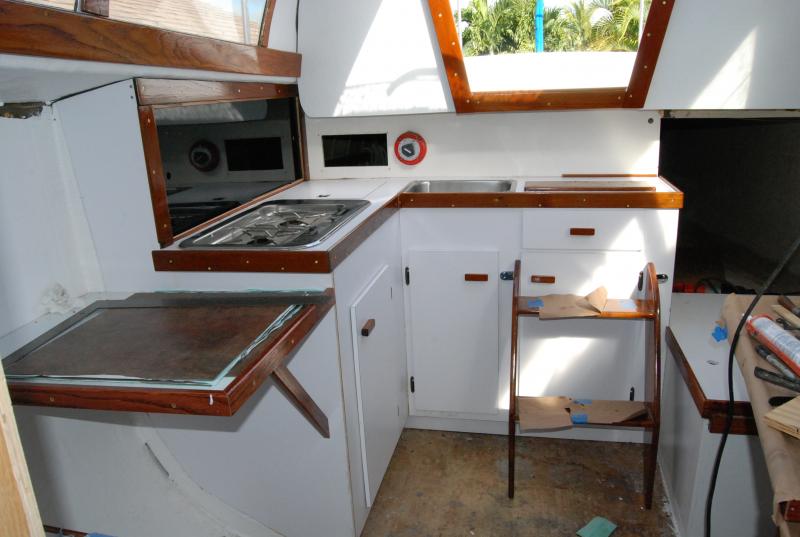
(618, 28)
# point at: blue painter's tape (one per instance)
(536, 303)
(579, 418)
(583, 402)
(627, 304)
(719, 333)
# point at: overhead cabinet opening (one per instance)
(740, 177)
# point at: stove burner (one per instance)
(280, 225)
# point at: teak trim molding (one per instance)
(632, 96)
(152, 93)
(711, 409)
(42, 31)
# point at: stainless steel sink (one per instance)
(457, 186)
(279, 225)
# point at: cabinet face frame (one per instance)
(632, 96)
(152, 94)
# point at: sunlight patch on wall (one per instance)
(550, 358)
(381, 79)
(730, 87)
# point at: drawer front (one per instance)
(587, 229)
(548, 272)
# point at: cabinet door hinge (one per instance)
(411, 382)
(408, 276)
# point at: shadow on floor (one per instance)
(443, 484)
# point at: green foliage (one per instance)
(507, 26)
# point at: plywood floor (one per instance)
(442, 484)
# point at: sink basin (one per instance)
(457, 186)
(279, 225)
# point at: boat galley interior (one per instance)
(399, 268)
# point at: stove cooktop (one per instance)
(279, 224)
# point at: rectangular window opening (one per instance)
(355, 150)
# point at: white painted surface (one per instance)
(501, 145)
(549, 70)
(117, 204)
(382, 248)
(453, 327)
(282, 32)
(378, 359)
(582, 272)
(44, 239)
(614, 229)
(382, 57)
(369, 57)
(254, 474)
(692, 320)
(742, 502)
(728, 54)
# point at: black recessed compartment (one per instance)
(355, 150)
(254, 154)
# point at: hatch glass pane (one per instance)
(581, 44)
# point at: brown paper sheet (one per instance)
(537, 413)
(602, 412)
(571, 306)
(782, 452)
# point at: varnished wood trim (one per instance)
(466, 101)
(368, 327)
(169, 92)
(302, 400)
(476, 277)
(155, 175)
(266, 23)
(511, 101)
(40, 31)
(707, 408)
(326, 261)
(353, 240)
(242, 261)
(740, 425)
(94, 7)
(171, 401)
(582, 231)
(539, 278)
(655, 29)
(630, 200)
(452, 57)
(791, 510)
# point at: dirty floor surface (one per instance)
(442, 484)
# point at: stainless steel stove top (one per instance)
(279, 224)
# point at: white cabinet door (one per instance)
(454, 331)
(377, 328)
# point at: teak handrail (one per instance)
(647, 309)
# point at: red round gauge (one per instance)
(410, 148)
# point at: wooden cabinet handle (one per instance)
(366, 330)
(476, 277)
(582, 231)
(538, 278)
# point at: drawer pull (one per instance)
(582, 231)
(476, 277)
(366, 330)
(538, 278)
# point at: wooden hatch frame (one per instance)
(632, 96)
(153, 93)
(88, 34)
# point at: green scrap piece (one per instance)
(598, 527)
